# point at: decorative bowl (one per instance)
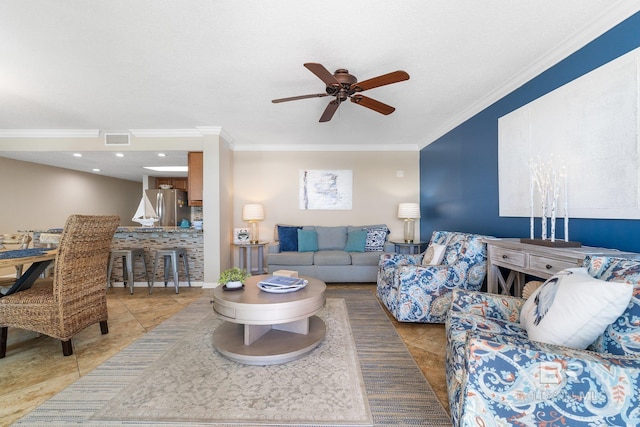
(165, 186)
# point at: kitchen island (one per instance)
(152, 238)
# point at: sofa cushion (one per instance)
(288, 237)
(331, 257)
(307, 241)
(356, 241)
(572, 308)
(331, 237)
(365, 258)
(376, 236)
(290, 258)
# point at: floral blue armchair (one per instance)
(422, 293)
(496, 376)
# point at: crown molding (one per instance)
(325, 147)
(167, 133)
(611, 17)
(49, 133)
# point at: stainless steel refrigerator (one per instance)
(170, 205)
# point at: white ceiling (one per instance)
(118, 65)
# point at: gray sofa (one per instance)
(340, 255)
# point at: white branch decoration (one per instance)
(546, 178)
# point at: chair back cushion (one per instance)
(623, 335)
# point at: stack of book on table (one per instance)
(281, 284)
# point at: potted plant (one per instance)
(233, 277)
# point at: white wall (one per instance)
(271, 178)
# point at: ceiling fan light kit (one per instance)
(343, 86)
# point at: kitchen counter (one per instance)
(151, 239)
(157, 230)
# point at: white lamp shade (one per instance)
(408, 210)
(252, 213)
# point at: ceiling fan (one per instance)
(343, 86)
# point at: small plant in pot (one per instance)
(233, 278)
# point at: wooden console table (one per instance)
(534, 260)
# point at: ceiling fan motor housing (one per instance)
(343, 91)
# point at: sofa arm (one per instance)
(273, 248)
(509, 383)
(484, 304)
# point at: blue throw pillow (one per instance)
(356, 241)
(307, 241)
(288, 237)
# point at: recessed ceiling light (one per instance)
(168, 168)
(119, 155)
(162, 155)
(77, 155)
(95, 170)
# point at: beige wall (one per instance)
(271, 178)
(34, 196)
(38, 197)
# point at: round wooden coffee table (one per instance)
(263, 328)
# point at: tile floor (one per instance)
(35, 370)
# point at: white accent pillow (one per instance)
(434, 254)
(572, 308)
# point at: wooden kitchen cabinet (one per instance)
(177, 183)
(195, 178)
(180, 183)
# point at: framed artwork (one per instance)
(241, 235)
(590, 127)
(326, 189)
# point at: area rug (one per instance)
(361, 374)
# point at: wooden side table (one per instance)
(538, 261)
(408, 248)
(244, 253)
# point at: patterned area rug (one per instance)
(361, 374)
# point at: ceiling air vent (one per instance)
(117, 139)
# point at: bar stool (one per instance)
(170, 256)
(128, 256)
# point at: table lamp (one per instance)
(408, 212)
(253, 213)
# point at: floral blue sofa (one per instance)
(498, 376)
(415, 292)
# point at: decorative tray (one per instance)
(281, 285)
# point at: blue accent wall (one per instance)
(459, 171)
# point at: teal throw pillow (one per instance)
(307, 241)
(356, 241)
(288, 238)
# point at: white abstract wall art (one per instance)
(592, 123)
(326, 189)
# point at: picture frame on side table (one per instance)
(241, 236)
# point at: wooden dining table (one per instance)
(39, 258)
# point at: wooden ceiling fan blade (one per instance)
(322, 73)
(385, 79)
(329, 111)
(294, 98)
(373, 104)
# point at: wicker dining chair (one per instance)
(76, 298)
